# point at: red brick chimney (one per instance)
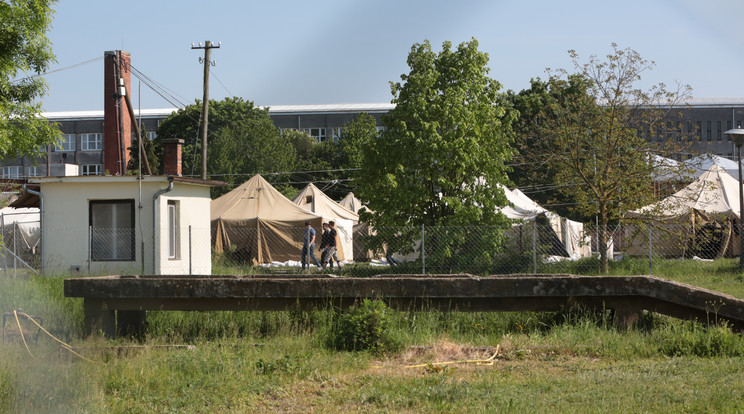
(172, 156)
(117, 127)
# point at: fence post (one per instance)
(650, 250)
(423, 252)
(534, 246)
(90, 246)
(190, 271)
(15, 250)
(5, 256)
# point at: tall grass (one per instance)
(280, 361)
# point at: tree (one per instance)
(243, 141)
(152, 151)
(443, 151)
(24, 48)
(586, 134)
(354, 136)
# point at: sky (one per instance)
(286, 52)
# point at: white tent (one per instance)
(567, 238)
(314, 200)
(696, 220)
(21, 232)
(702, 163)
(351, 203)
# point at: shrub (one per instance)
(364, 327)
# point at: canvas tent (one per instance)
(563, 237)
(351, 203)
(698, 220)
(361, 230)
(702, 163)
(21, 233)
(260, 223)
(314, 200)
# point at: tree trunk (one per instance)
(602, 240)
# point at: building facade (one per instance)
(81, 151)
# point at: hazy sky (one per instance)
(344, 51)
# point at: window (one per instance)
(174, 232)
(317, 133)
(699, 131)
(67, 143)
(33, 171)
(12, 172)
(337, 132)
(112, 230)
(151, 135)
(708, 130)
(91, 142)
(92, 169)
(718, 130)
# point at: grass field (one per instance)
(572, 361)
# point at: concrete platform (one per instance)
(118, 304)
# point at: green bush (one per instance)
(690, 338)
(364, 327)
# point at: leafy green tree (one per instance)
(153, 153)
(586, 134)
(354, 136)
(243, 141)
(443, 152)
(24, 49)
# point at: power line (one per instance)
(58, 70)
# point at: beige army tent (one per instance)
(316, 201)
(698, 220)
(563, 236)
(260, 223)
(351, 203)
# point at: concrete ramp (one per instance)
(118, 303)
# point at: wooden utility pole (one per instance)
(208, 46)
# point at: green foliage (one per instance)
(444, 150)
(242, 141)
(24, 50)
(354, 136)
(364, 327)
(693, 339)
(586, 134)
(153, 153)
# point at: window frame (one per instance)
(6, 174)
(68, 144)
(97, 141)
(95, 255)
(87, 167)
(173, 216)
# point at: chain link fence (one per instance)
(533, 247)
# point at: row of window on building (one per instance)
(18, 171)
(88, 142)
(702, 132)
(322, 134)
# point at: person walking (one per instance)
(324, 246)
(308, 245)
(336, 244)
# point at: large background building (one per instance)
(81, 151)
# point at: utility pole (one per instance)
(208, 46)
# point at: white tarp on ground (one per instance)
(316, 201)
(570, 233)
(705, 208)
